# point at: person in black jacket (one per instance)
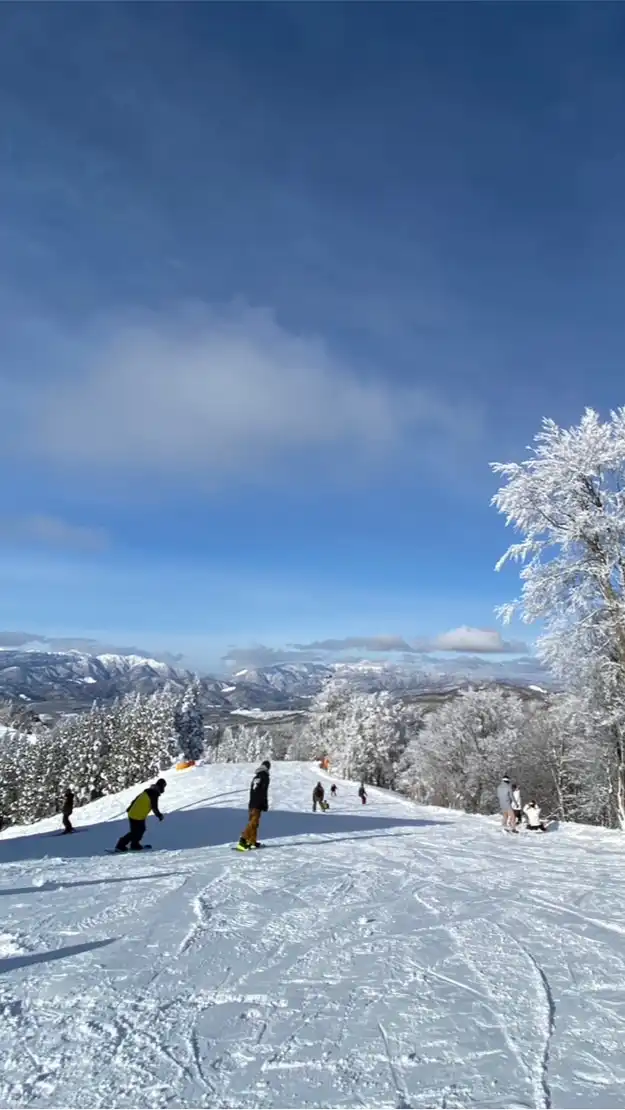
(318, 796)
(68, 809)
(258, 804)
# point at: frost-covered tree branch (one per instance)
(567, 502)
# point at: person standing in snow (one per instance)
(506, 804)
(534, 823)
(138, 812)
(362, 794)
(318, 796)
(68, 809)
(333, 790)
(257, 805)
(517, 807)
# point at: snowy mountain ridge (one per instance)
(380, 956)
(75, 677)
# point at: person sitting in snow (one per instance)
(362, 794)
(532, 814)
(257, 805)
(138, 812)
(517, 806)
(66, 812)
(318, 796)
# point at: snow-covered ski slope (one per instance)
(386, 956)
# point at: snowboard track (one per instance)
(373, 969)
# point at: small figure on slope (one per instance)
(362, 793)
(138, 812)
(506, 804)
(333, 790)
(257, 805)
(68, 809)
(318, 799)
(517, 806)
(532, 814)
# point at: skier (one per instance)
(517, 807)
(68, 809)
(333, 790)
(318, 797)
(532, 813)
(257, 805)
(362, 794)
(506, 804)
(138, 812)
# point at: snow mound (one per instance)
(383, 955)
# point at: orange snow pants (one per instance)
(251, 829)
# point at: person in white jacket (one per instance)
(517, 807)
(532, 813)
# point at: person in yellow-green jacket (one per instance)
(138, 812)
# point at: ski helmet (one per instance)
(161, 785)
(266, 764)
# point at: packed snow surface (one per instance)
(378, 956)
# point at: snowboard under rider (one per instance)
(506, 804)
(362, 793)
(66, 812)
(532, 814)
(258, 804)
(138, 812)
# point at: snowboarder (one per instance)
(506, 804)
(362, 794)
(318, 798)
(257, 805)
(532, 813)
(517, 807)
(333, 790)
(138, 812)
(68, 809)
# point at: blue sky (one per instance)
(276, 284)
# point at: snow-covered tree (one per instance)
(568, 502)
(190, 722)
(463, 749)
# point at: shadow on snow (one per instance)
(27, 959)
(207, 827)
(47, 888)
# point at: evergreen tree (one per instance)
(190, 723)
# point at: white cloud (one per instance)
(51, 531)
(475, 640)
(213, 394)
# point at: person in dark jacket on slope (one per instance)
(258, 804)
(68, 809)
(138, 811)
(333, 790)
(318, 797)
(362, 794)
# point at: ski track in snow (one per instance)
(379, 956)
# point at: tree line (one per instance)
(99, 752)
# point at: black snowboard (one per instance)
(129, 852)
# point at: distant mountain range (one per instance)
(56, 681)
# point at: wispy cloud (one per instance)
(51, 531)
(37, 641)
(217, 394)
(365, 643)
(477, 641)
(474, 641)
